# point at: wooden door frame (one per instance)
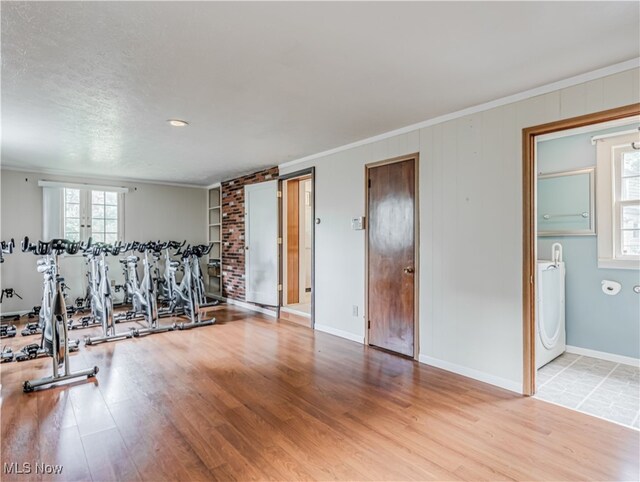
(415, 157)
(309, 173)
(529, 135)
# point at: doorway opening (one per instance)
(580, 327)
(392, 248)
(297, 247)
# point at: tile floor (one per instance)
(598, 387)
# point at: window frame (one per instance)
(610, 204)
(619, 204)
(86, 210)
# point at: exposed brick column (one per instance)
(233, 231)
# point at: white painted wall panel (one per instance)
(470, 227)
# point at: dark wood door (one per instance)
(391, 248)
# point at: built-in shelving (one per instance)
(214, 262)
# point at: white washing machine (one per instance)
(551, 336)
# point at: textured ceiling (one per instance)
(87, 86)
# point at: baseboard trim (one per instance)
(14, 313)
(341, 333)
(303, 314)
(625, 360)
(250, 306)
(472, 373)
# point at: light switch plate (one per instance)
(357, 223)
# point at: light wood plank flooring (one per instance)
(252, 399)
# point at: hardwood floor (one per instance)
(253, 399)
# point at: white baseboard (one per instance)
(14, 313)
(471, 373)
(251, 306)
(286, 309)
(625, 360)
(341, 333)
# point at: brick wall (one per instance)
(233, 231)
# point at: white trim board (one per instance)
(625, 360)
(341, 333)
(250, 306)
(129, 180)
(14, 313)
(472, 373)
(510, 99)
(293, 311)
(82, 185)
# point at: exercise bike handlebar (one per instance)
(205, 250)
(55, 246)
(7, 247)
(175, 244)
(132, 246)
(99, 248)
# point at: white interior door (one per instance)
(261, 242)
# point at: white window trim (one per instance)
(92, 187)
(54, 221)
(85, 210)
(607, 204)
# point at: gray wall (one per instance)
(594, 320)
(151, 212)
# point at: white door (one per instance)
(261, 242)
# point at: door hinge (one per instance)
(279, 287)
(279, 193)
(368, 324)
(279, 240)
(369, 182)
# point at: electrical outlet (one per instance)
(354, 310)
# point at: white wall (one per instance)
(470, 190)
(151, 212)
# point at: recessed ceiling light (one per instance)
(178, 122)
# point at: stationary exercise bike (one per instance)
(48, 267)
(101, 299)
(196, 253)
(55, 342)
(166, 282)
(130, 285)
(94, 318)
(7, 330)
(144, 296)
(184, 296)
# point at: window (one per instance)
(618, 201)
(627, 202)
(104, 216)
(72, 214)
(91, 213)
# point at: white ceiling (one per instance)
(87, 87)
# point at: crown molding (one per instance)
(510, 99)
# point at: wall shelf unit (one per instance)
(214, 261)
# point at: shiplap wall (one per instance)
(470, 190)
